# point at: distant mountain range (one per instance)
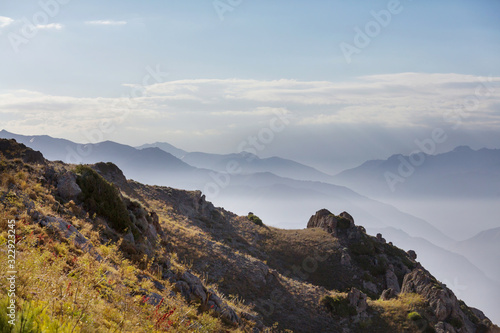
(280, 191)
(485, 244)
(247, 162)
(463, 173)
(264, 189)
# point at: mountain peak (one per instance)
(462, 149)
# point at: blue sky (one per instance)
(92, 52)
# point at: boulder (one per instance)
(412, 254)
(323, 219)
(357, 299)
(388, 294)
(443, 327)
(391, 280)
(380, 238)
(67, 187)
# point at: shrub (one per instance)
(455, 322)
(255, 219)
(414, 316)
(338, 306)
(102, 198)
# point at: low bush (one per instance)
(102, 198)
(255, 219)
(338, 306)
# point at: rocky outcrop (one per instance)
(70, 232)
(444, 304)
(323, 219)
(193, 290)
(392, 280)
(357, 299)
(412, 254)
(332, 224)
(11, 149)
(388, 294)
(67, 187)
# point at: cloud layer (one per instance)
(5, 21)
(106, 22)
(221, 107)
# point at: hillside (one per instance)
(99, 253)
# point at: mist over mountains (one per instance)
(283, 193)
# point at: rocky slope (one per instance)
(170, 260)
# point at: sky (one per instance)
(326, 83)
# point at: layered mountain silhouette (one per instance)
(278, 200)
(462, 173)
(116, 250)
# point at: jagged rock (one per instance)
(129, 237)
(12, 149)
(156, 222)
(70, 232)
(357, 299)
(323, 219)
(191, 287)
(443, 327)
(67, 187)
(442, 301)
(388, 294)
(345, 259)
(184, 289)
(327, 221)
(347, 216)
(152, 298)
(391, 280)
(412, 254)
(380, 238)
(368, 285)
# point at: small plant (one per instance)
(255, 219)
(414, 316)
(338, 306)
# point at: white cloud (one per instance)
(5, 21)
(206, 106)
(106, 22)
(260, 111)
(50, 26)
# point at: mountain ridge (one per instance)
(363, 283)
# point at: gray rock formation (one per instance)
(67, 187)
(392, 280)
(357, 299)
(193, 290)
(442, 301)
